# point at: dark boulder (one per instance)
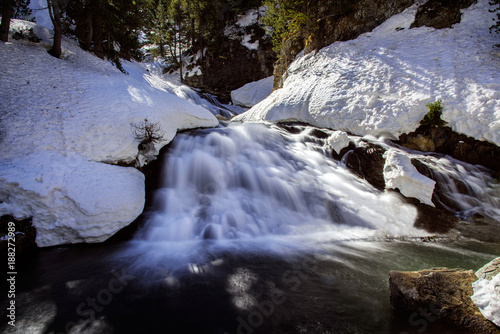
(367, 161)
(440, 14)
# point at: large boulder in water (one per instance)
(439, 294)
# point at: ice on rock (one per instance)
(399, 173)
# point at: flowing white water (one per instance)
(255, 187)
(248, 181)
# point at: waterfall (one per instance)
(250, 181)
(255, 187)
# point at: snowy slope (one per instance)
(252, 93)
(381, 82)
(59, 120)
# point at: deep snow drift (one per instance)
(381, 82)
(61, 121)
(252, 93)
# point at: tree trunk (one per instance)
(180, 61)
(55, 16)
(162, 48)
(7, 12)
(86, 41)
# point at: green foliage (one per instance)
(433, 117)
(108, 28)
(287, 18)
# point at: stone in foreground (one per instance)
(443, 294)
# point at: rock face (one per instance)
(490, 270)
(230, 64)
(440, 14)
(445, 140)
(439, 294)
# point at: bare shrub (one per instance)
(147, 132)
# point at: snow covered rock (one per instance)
(401, 174)
(338, 140)
(381, 82)
(487, 291)
(61, 121)
(252, 93)
(70, 198)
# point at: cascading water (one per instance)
(248, 181)
(259, 185)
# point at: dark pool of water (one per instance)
(339, 288)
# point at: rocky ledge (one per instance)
(440, 294)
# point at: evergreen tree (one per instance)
(288, 17)
(108, 28)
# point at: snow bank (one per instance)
(487, 297)
(381, 82)
(401, 174)
(60, 120)
(252, 93)
(70, 198)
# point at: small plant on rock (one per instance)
(147, 132)
(433, 117)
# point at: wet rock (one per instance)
(479, 228)
(367, 161)
(320, 134)
(440, 14)
(292, 127)
(421, 143)
(221, 118)
(439, 294)
(457, 145)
